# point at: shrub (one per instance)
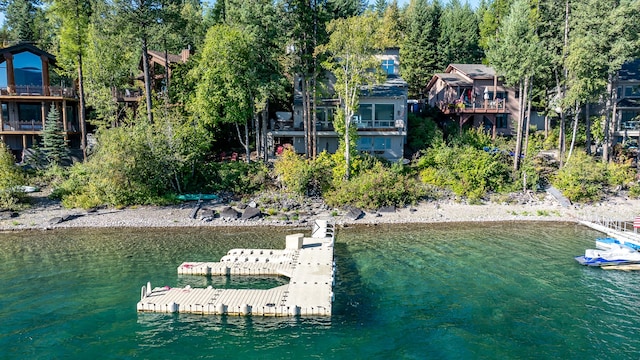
(466, 170)
(582, 179)
(376, 187)
(10, 178)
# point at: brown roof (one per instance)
(450, 79)
(159, 57)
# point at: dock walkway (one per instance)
(306, 261)
(624, 231)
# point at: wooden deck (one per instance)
(306, 261)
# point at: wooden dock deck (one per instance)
(306, 261)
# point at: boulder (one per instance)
(251, 213)
(229, 213)
(387, 209)
(207, 214)
(354, 214)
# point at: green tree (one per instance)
(418, 49)
(74, 18)
(491, 19)
(351, 48)
(346, 8)
(391, 27)
(20, 19)
(226, 70)
(305, 21)
(54, 144)
(604, 35)
(516, 53)
(458, 41)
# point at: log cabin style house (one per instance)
(27, 91)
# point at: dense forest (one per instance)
(561, 54)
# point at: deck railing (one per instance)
(613, 224)
(38, 90)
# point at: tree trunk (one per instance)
(575, 131)
(516, 155)
(314, 121)
(247, 151)
(83, 112)
(528, 121)
(265, 121)
(147, 78)
(587, 128)
(606, 146)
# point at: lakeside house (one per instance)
(626, 108)
(475, 96)
(27, 91)
(161, 67)
(381, 120)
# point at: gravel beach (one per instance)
(47, 214)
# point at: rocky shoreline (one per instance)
(47, 214)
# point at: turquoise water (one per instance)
(448, 291)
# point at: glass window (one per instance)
(384, 115)
(502, 121)
(389, 66)
(384, 112)
(365, 116)
(381, 143)
(632, 91)
(30, 116)
(364, 143)
(3, 74)
(27, 69)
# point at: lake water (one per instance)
(445, 291)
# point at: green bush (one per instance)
(424, 132)
(465, 170)
(235, 176)
(376, 187)
(10, 178)
(582, 179)
(308, 177)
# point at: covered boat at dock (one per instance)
(616, 254)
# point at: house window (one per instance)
(499, 95)
(381, 143)
(30, 116)
(384, 115)
(502, 121)
(3, 75)
(365, 116)
(389, 66)
(632, 91)
(27, 69)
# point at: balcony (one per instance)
(126, 95)
(477, 107)
(38, 91)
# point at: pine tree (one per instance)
(418, 50)
(53, 141)
(459, 35)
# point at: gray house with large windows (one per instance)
(627, 105)
(381, 120)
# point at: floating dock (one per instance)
(306, 261)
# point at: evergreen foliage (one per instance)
(459, 35)
(54, 144)
(418, 50)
